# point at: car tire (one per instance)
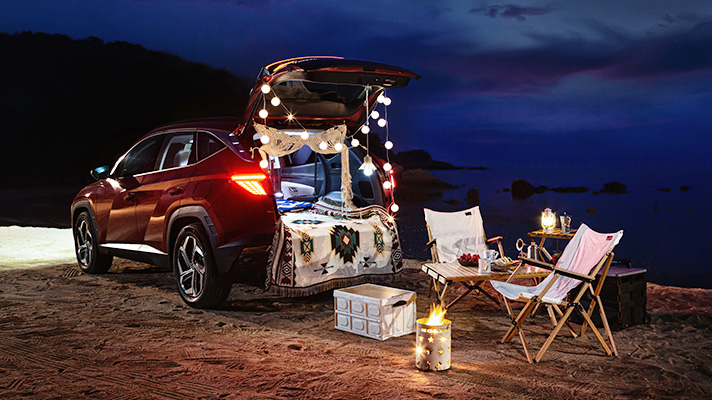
(86, 246)
(195, 270)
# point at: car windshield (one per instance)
(308, 98)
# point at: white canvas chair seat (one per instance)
(584, 256)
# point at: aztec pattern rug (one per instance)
(328, 248)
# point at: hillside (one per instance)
(70, 105)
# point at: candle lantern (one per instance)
(432, 341)
(548, 220)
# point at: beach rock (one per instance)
(522, 189)
(473, 197)
(613, 187)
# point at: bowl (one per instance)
(468, 263)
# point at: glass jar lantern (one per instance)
(548, 220)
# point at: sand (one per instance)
(22, 247)
(126, 334)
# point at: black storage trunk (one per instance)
(624, 297)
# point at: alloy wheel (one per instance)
(85, 241)
(191, 267)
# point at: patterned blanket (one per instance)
(327, 248)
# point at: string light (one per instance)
(290, 116)
(338, 146)
(381, 122)
(395, 207)
(264, 139)
(375, 114)
(387, 185)
(387, 167)
(323, 145)
(388, 145)
(275, 101)
(304, 135)
(380, 98)
(263, 113)
(265, 88)
(264, 164)
(365, 129)
(387, 101)
(367, 167)
(355, 142)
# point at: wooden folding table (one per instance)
(446, 273)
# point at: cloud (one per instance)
(672, 55)
(609, 54)
(509, 11)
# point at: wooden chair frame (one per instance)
(555, 308)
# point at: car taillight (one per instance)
(251, 182)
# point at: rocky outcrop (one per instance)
(613, 187)
(522, 189)
(420, 185)
(473, 197)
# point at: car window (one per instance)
(208, 145)
(179, 151)
(142, 157)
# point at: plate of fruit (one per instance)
(469, 260)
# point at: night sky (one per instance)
(629, 82)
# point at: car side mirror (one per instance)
(100, 173)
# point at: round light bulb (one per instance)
(263, 113)
(367, 172)
(381, 122)
(355, 142)
(387, 101)
(387, 185)
(304, 135)
(323, 145)
(275, 101)
(264, 139)
(264, 164)
(265, 88)
(375, 114)
(387, 167)
(388, 145)
(395, 207)
(338, 146)
(290, 116)
(380, 98)
(365, 129)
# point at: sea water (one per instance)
(665, 232)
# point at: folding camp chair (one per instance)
(451, 234)
(587, 253)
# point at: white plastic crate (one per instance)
(374, 311)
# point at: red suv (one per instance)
(196, 196)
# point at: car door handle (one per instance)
(130, 196)
(176, 191)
